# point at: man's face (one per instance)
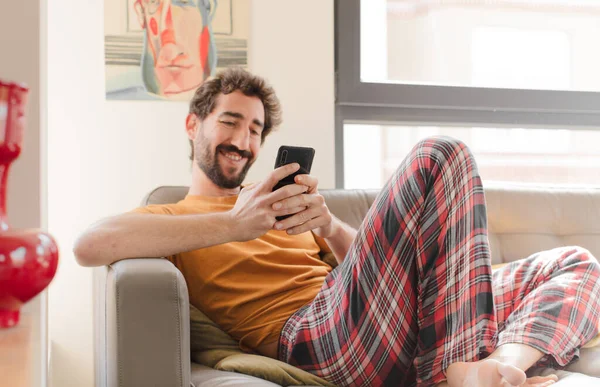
(228, 140)
(179, 52)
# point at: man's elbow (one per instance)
(85, 254)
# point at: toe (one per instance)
(541, 381)
(512, 374)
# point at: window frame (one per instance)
(409, 104)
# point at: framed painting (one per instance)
(165, 49)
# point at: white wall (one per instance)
(20, 53)
(20, 61)
(292, 45)
(104, 156)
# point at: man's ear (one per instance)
(191, 125)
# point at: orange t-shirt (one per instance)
(248, 288)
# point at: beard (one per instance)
(210, 165)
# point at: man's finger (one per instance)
(299, 218)
(310, 225)
(289, 211)
(286, 192)
(311, 181)
(279, 174)
(296, 201)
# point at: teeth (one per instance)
(233, 156)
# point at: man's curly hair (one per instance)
(228, 81)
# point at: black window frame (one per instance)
(395, 103)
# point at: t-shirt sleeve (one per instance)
(152, 209)
(156, 209)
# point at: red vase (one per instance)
(28, 258)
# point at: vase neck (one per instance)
(4, 166)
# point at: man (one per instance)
(413, 299)
(179, 49)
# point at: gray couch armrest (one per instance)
(142, 325)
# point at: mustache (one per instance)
(234, 149)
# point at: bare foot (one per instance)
(536, 381)
(492, 373)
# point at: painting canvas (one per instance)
(165, 49)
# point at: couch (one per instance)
(142, 317)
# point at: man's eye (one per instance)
(152, 5)
(255, 132)
(228, 123)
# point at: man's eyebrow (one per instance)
(241, 116)
(232, 114)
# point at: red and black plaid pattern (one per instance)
(414, 293)
(550, 301)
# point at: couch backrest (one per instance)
(522, 219)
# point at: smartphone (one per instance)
(293, 154)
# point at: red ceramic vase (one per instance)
(28, 258)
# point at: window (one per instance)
(539, 156)
(482, 43)
(516, 80)
(524, 58)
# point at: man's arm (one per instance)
(150, 236)
(340, 239)
(135, 235)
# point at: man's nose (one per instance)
(241, 139)
(167, 35)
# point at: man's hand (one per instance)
(253, 214)
(311, 212)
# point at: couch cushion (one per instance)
(566, 378)
(522, 218)
(203, 376)
(212, 347)
(589, 362)
(271, 370)
(205, 335)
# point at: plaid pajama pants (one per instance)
(416, 291)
